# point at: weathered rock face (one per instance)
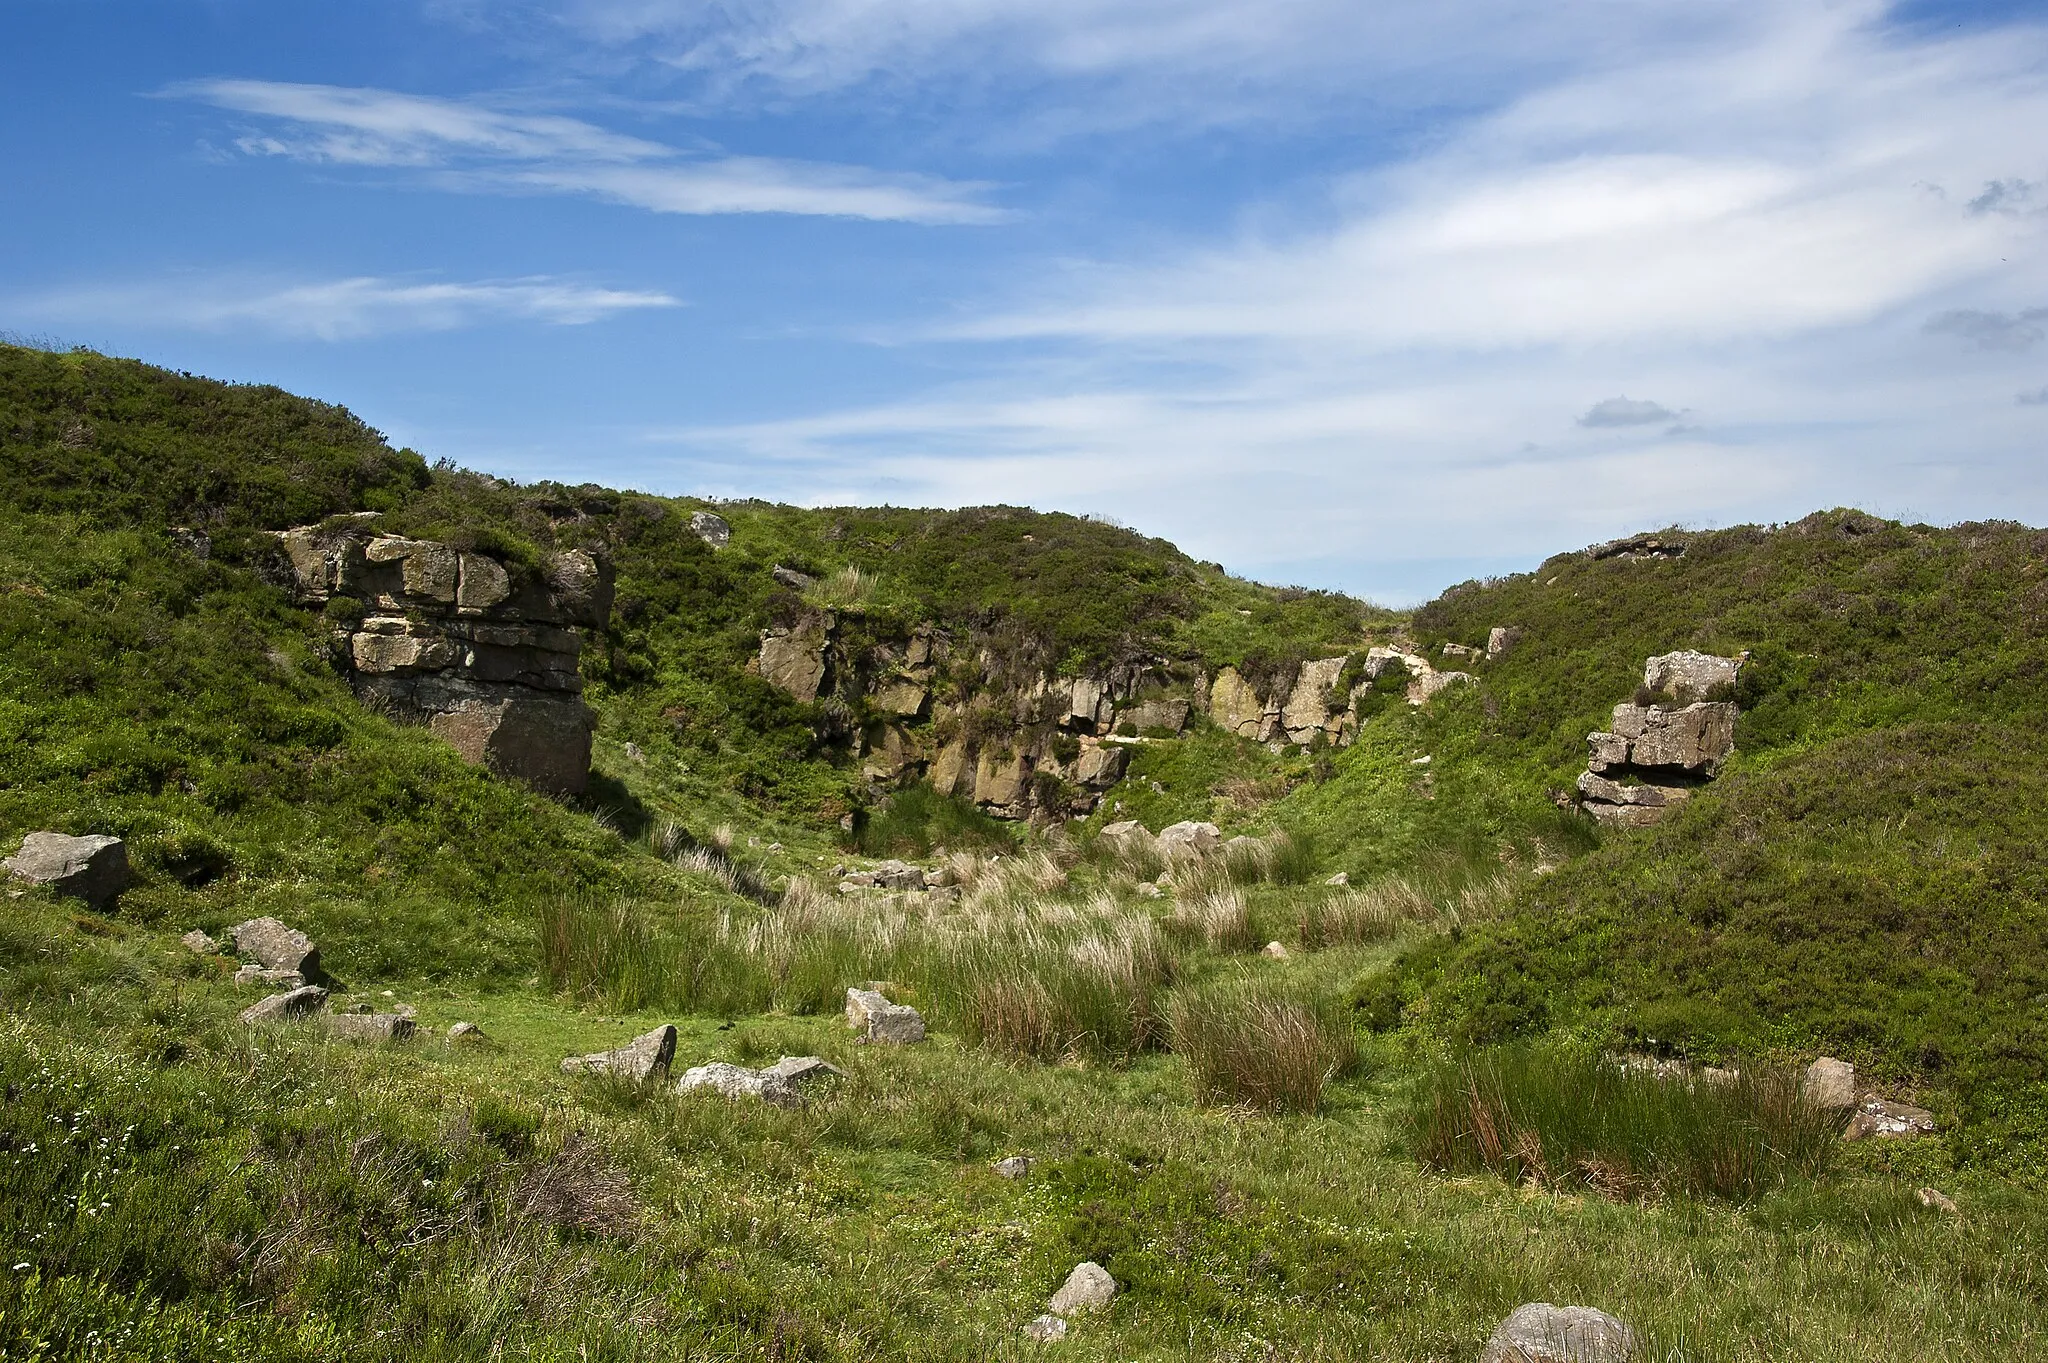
(93, 868)
(793, 658)
(1541, 1333)
(1309, 710)
(1235, 706)
(450, 640)
(1652, 756)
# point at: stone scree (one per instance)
(450, 640)
(1652, 757)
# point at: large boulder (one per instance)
(644, 1059)
(1088, 1288)
(1687, 676)
(878, 1020)
(781, 1084)
(1830, 1083)
(1541, 1333)
(296, 1003)
(1500, 639)
(276, 947)
(1088, 704)
(1188, 839)
(710, 528)
(93, 867)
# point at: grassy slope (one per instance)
(459, 1202)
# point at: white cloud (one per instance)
(1759, 222)
(469, 145)
(340, 309)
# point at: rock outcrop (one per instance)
(1652, 757)
(711, 528)
(93, 868)
(487, 658)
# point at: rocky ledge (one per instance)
(483, 655)
(1657, 751)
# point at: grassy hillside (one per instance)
(1253, 1145)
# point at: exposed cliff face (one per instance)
(930, 705)
(449, 639)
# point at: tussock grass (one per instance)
(1254, 1042)
(1221, 919)
(1569, 1119)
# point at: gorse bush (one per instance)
(1254, 1042)
(1570, 1119)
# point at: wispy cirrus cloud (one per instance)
(338, 309)
(468, 145)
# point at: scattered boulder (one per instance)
(898, 875)
(1500, 639)
(710, 528)
(1934, 1199)
(1013, 1166)
(1129, 835)
(1189, 839)
(779, 1084)
(296, 1003)
(1274, 951)
(642, 1060)
(737, 1081)
(877, 1019)
(277, 947)
(1884, 1119)
(792, 579)
(199, 943)
(93, 868)
(1431, 684)
(1046, 1329)
(370, 1027)
(1541, 1333)
(1088, 1288)
(1341, 878)
(467, 1033)
(250, 975)
(1688, 676)
(1830, 1083)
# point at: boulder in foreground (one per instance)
(277, 947)
(1088, 1288)
(93, 868)
(297, 1003)
(1541, 1333)
(642, 1060)
(877, 1019)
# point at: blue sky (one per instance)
(1372, 296)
